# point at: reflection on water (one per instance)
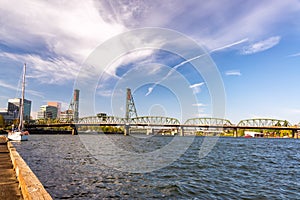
(236, 168)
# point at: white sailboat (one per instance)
(20, 134)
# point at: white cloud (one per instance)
(139, 56)
(233, 73)
(218, 23)
(52, 71)
(262, 45)
(105, 93)
(149, 91)
(198, 104)
(229, 45)
(56, 37)
(201, 114)
(294, 55)
(69, 31)
(196, 87)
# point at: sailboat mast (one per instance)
(21, 125)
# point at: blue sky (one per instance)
(255, 46)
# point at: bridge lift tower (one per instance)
(75, 105)
(130, 107)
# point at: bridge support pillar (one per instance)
(235, 132)
(126, 130)
(74, 131)
(174, 131)
(181, 131)
(295, 134)
(150, 131)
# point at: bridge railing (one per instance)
(207, 121)
(101, 120)
(264, 123)
(159, 120)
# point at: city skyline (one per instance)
(255, 47)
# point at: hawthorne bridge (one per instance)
(132, 122)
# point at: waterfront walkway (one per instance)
(17, 181)
(9, 184)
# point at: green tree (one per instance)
(285, 133)
(2, 123)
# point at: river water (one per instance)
(235, 168)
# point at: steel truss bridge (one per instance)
(194, 122)
(137, 121)
(132, 120)
(160, 121)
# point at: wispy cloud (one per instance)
(233, 73)
(35, 93)
(201, 113)
(198, 104)
(52, 71)
(173, 69)
(64, 37)
(149, 91)
(294, 55)
(229, 45)
(105, 93)
(196, 87)
(15, 88)
(261, 46)
(214, 32)
(67, 44)
(141, 56)
(53, 39)
(7, 86)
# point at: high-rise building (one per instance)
(47, 112)
(57, 105)
(14, 107)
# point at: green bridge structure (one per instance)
(150, 123)
(159, 122)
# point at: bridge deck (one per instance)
(232, 126)
(9, 185)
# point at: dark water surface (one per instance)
(236, 168)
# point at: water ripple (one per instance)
(236, 168)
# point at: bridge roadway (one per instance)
(159, 121)
(293, 128)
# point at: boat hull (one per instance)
(17, 136)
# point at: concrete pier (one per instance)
(181, 131)
(9, 185)
(150, 131)
(17, 181)
(126, 129)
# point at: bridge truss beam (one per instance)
(101, 120)
(158, 120)
(264, 123)
(208, 121)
